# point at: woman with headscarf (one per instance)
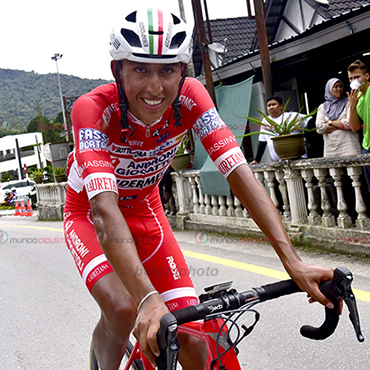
(332, 123)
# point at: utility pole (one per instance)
(56, 57)
(203, 43)
(259, 9)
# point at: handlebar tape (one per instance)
(276, 290)
(326, 329)
(329, 288)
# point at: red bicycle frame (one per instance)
(206, 331)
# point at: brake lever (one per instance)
(337, 288)
(349, 299)
(168, 343)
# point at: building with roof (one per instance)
(309, 43)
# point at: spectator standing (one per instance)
(275, 111)
(332, 122)
(359, 98)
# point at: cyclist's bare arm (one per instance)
(119, 247)
(259, 205)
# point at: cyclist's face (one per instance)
(150, 88)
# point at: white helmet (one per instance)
(153, 35)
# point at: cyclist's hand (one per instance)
(308, 279)
(340, 303)
(147, 325)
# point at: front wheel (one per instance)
(136, 365)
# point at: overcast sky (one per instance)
(31, 32)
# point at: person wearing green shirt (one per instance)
(359, 98)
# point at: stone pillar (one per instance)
(296, 196)
(327, 218)
(313, 217)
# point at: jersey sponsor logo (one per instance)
(187, 102)
(99, 182)
(132, 168)
(172, 264)
(142, 153)
(77, 247)
(221, 144)
(160, 134)
(92, 139)
(129, 197)
(208, 122)
(97, 271)
(139, 183)
(229, 160)
(95, 163)
(128, 151)
(108, 111)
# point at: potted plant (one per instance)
(60, 174)
(288, 136)
(182, 159)
(37, 174)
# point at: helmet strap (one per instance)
(176, 104)
(123, 106)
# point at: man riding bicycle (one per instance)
(126, 135)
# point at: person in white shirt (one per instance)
(275, 111)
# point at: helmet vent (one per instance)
(175, 19)
(131, 17)
(156, 32)
(177, 40)
(131, 37)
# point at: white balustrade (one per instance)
(311, 197)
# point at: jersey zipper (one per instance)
(147, 131)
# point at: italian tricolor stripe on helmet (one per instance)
(155, 27)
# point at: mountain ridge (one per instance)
(20, 91)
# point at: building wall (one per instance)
(9, 156)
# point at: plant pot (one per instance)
(60, 178)
(37, 179)
(181, 161)
(289, 146)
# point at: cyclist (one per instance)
(126, 135)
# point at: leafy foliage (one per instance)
(5, 177)
(37, 172)
(184, 142)
(291, 124)
(59, 170)
(50, 130)
(23, 95)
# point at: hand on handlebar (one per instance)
(337, 289)
(147, 325)
(308, 278)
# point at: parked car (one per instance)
(24, 188)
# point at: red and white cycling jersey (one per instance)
(132, 166)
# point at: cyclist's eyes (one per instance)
(167, 70)
(140, 69)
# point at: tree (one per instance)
(50, 130)
(5, 177)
